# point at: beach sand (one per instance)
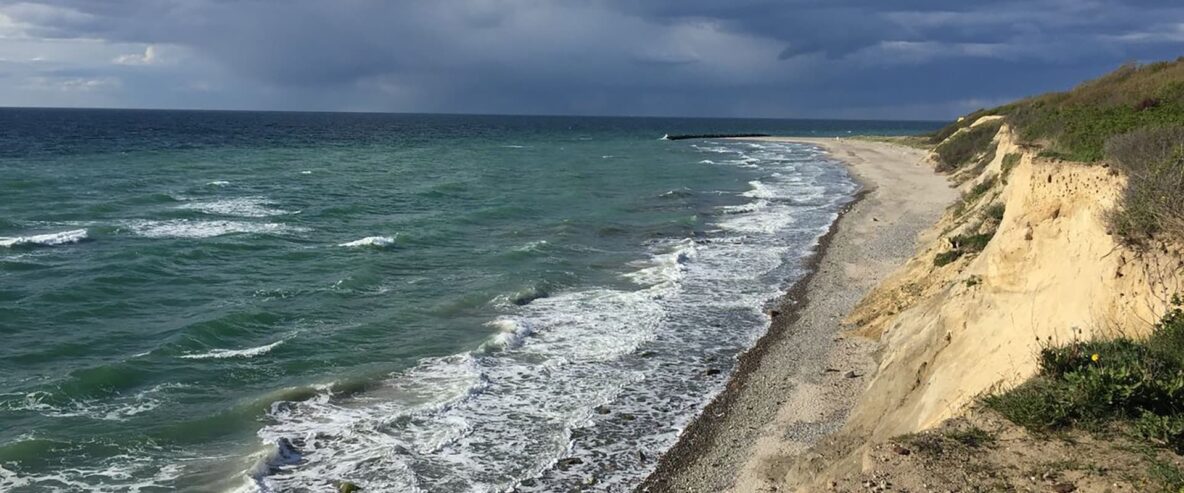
(799, 382)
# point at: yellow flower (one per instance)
(1094, 357)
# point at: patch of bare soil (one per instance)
(984, 452)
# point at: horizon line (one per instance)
(541, 115)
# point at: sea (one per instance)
(271, 301)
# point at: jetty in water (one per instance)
(709, 136)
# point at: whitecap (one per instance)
(240, 207)
(370, 241)
(306, 172)
(533, 246)
(218, 183)
(235, 353)
(760, 191)
(49, 239)
(510, 334)
(184, 228)
(664, 268)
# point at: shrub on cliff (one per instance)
(1153, 202)
(1138, 384)
(963, 147)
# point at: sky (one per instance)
(872, 59)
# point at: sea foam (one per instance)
(49, 239)
(235, 353)
(239, 207)
(184, 228)
(370, 241)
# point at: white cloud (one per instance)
(149, 57)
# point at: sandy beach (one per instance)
(798, 383)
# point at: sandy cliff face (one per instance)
(1050, 273)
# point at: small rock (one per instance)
(567, 462)
(1064, 488)
(712, 371)
(348, 487)
(774, 313)
(898, 450)
(851, 374)
(628, 417)
(602, 410)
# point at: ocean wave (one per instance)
(510, 335)
(239, 207)
(119, 408)
(370, 241)
(533, 246)
(761, 190)
(235, 353)
(665, 267)
(185, 228)
(118, 473)
(49, 239)
(596, 374)
(218, 183)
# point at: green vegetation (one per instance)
(996, 211)
(963, 244)
(1132, 117)
(1136, 385)
(948, 130)
(1153, 202)
(976, 192)
(1075, 125)
(964, 147)
(1009, 163)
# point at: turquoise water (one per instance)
(280, 302)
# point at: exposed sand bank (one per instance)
(797, 386)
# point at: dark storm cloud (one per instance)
(873, 58)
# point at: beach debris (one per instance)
(1064, 487)
(851, 374)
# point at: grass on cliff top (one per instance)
(1132, 117)
(1075, 124)
(1123, 383)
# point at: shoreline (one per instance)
(799, 381)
